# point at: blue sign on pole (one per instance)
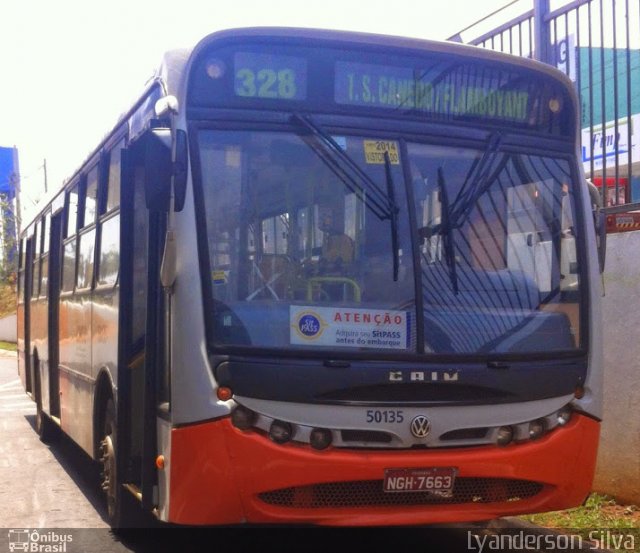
(8, 171)
(9, 175)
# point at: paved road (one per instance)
(40, 486)
(50, 490)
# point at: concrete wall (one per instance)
(618, 469)
(8, 332)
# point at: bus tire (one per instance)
(46, 429)
(119, 509)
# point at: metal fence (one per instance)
(597, 44)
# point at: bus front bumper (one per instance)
(221, 475)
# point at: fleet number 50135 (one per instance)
(384, 415)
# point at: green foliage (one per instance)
(7, 299)
(8, 240)
(600, 512)
(9, 346)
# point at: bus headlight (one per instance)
(243, 418)
(536, 429)
(564, 415)
(320, 438)
(505, 435)
(280, 432)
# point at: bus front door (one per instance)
(26, 291)
(141, 320)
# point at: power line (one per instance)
(22, 177)
(459, 33)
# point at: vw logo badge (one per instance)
(420, 426)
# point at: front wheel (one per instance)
(47, 430)
(119, 509)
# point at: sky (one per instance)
(71, 67)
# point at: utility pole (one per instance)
(15, 183)
(542, 43)
(44, 166)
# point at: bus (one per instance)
(326, 278)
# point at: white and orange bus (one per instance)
(325, 277)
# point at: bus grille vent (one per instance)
(369, 493)
(465, 434)
(365, 436)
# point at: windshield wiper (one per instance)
(446, 229)
(330, 153)
(477, 181)
(383, 205)
(391, 195)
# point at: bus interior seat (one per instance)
(338, 249)
(273, 272)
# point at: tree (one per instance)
(8, 237)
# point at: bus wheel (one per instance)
(118, 513)
(45, 427)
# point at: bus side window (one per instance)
(91, 198)
(69, 266)
(21, 267)
(72, 212)
(87, 238)
(86, 258)
(113, 182)
(108, 255)
(44, 279)
(35, 281)
(44, 265)
(69, 259)
(46, 232)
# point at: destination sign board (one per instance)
(480, 94)
(444, 87)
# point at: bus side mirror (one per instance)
(599, 222)
(158, 169)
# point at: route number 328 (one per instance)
(266, 83)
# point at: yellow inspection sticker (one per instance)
(374, 151)
(219, 277)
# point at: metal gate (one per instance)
(597, 44)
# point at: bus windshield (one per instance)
(377, 243)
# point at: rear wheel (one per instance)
(45, 427)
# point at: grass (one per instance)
(600, 513)
(9, 346)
